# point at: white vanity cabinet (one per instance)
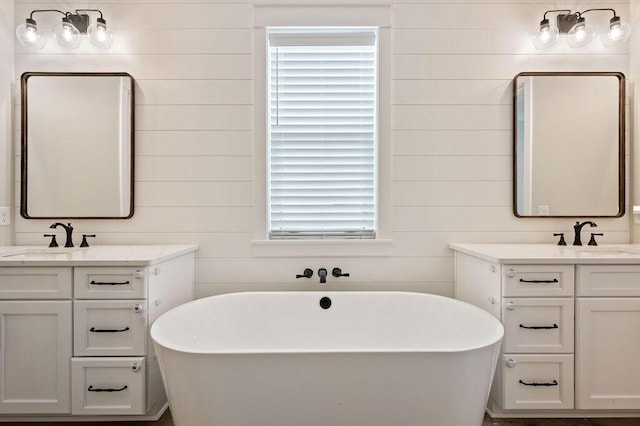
(83, 348)
(572, 326)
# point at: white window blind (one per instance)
(322, 133)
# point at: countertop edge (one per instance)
(120, 255)
(505, 253)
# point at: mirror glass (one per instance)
(569, 144)
(77, 145)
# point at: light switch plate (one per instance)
(5, 218)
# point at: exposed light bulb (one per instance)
(619, 31)
(99, 35)
(581, 34)
(29, 36)
(67, 34)
(545, 35)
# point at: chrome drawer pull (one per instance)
(108, 283)
(95, 330)
(540, 327)
(92, 389)
(555, 280)
(554, 383)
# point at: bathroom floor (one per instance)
(488, 421)
(165, 420)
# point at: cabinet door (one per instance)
(35, 355)
(607, 353)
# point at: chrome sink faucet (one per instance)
(577, 228)
(68, 229)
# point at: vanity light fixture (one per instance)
(579, 31)
(67, 32)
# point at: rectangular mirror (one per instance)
(569, 144)
(77, 145)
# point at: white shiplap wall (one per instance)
(452, 65)
(6, 107)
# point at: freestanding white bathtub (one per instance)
(368, 359)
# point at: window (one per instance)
(322, 131)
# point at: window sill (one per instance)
(322, 248)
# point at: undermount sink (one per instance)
(41, 253)
(607, 251)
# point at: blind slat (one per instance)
(322, 127)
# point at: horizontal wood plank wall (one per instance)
(6, 101)
(452, 65)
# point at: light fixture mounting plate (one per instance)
(566, 21)
(80, 21)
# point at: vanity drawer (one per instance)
(108, 385)
(608, 280)
(535, 325)
(109, 327)
(110, 283)
(35, 283)
(538, 280)
(537, 381)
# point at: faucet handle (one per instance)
(53, 242)
(84, 242)
(308, 273)
(592, 241)
(337, 272)
(561, 242)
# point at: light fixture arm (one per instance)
(601, 9)
(90, 10)
(555, 10)
(46, 10)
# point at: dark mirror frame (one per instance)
(621, 141)
(24, 140)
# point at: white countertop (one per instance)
(551, 253)
(134, 255)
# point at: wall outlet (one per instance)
(5, 218)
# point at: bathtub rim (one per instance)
(494, 339)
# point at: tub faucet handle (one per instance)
(307, 273)
(337, 272)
